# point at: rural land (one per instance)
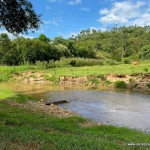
(118, 57)
(27, 123)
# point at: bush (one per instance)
(110, 62)
(120, 84)
(65, 62)
(73, 62)
(126, 61)
(80, 62)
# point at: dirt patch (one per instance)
(52, 109)
(32, 77)
(41, 107)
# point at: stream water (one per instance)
(109, 106)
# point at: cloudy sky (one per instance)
(67, 17)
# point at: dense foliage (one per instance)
(17, 16)
(123, 44)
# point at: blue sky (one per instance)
(68, 17)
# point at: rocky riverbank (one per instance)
(137, 82)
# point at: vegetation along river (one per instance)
(109, 106)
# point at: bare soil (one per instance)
(40, 106)
(134, 82)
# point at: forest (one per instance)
(119, 43)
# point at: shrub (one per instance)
(73, 62)
(110, 62)
(79, 62)
(120, 84)
(126, 61)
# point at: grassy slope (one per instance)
(24, 129)
(144, 67)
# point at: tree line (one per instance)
(121, 43)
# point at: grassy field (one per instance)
(22, 129)
(6, 72)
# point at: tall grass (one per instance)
(75, 62)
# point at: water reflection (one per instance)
(120, 108)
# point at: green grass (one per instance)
(101, 70)
(6, 94)
(93, 80)
(7, 72)
(52, 79)
(28, 129)
(17, 97)
(107, 82)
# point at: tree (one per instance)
(4, 43)
(59, 51)
(43, 38)
(145, 52)
(17, 16)
(59, 40)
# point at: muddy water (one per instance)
(110, 106)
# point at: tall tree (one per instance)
(5, 43)
(43, 38)
(17, 16)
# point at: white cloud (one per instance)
(111, 18)
(126, 12)
(11, 36)
(143, 20)
(74, 2)
(55, 21)
(104, 11)
(85, 9)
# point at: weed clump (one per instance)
(107, 82)
(52, 79)
(120, 84)
(101, 76)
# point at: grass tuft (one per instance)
(120, 84)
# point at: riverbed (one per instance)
(102, 104)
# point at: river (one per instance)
(105, 105)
